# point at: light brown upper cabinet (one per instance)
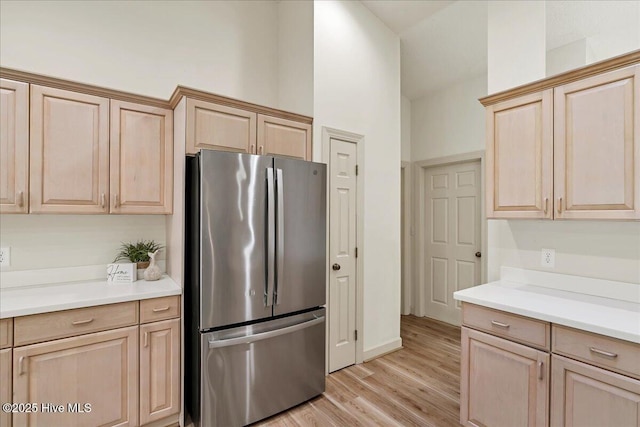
(219, 127)
(218, 123)
(597, 147)
(567, 147)
(141, 159)
(69, 152)
(520, 157)
(14, 146)
(282, 137)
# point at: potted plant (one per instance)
(137, 252)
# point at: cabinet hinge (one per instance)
(356, 170)
(355, 335)
(356, 252)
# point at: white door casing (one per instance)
(450, 225)
(342, 259)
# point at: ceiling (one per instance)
(443, 42)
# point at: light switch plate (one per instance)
(548, 258)
(5, 257)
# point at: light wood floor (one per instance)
(416, 386)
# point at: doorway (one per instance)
(342, 153)
(451, 232)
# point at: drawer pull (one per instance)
(82, 322)
(540, 370)
(157, 310)
(603, 353)
(20, 365)
(500, 324)
(146, 339)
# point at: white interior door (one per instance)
(342, 260)
(451, 225)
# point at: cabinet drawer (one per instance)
(6, 333)
(517, 328)
(155, 309)
(49, 326)
(609, 353)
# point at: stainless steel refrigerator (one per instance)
(255, 268)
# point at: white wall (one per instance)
(51, 241)
(405, 126)
(295, 56)
(566, 57)
(449, 121)
(601, 249)
(225, 47)
(357, 89)
(516, 43)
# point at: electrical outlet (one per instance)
(548, 258)
(5, 257)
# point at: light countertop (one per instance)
(615, 317)
(22, 301)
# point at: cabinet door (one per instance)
(14, 146)
(502, 383)
(281, 137)
(69, 152)
(520, 157)
(583, 395)
(159, 370)
(5, 385)
(141, 159)
(100, 370)
(597, 147)
(219, 127)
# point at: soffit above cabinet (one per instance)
(564, 78)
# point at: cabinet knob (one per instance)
(478, 254)
(335, 267)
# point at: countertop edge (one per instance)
(169, 288)
(571, 323)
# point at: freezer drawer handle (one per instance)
(265, 335)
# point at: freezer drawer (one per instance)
(252, 372)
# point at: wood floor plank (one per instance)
(418, 385)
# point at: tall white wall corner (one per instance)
(516, 43)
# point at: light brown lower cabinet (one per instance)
(505, 383)
(5, 385)
(159, 370)
(502, 383)
(64, 376)
(124, 370)
(584, 395)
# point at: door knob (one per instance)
(335, 267)
(478, 254)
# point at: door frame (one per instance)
(407, 305)
(327, 134)
(419, 173)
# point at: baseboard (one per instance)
(381, 350)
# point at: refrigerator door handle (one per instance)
(271, 239)
(280, 240)
(265, 335)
